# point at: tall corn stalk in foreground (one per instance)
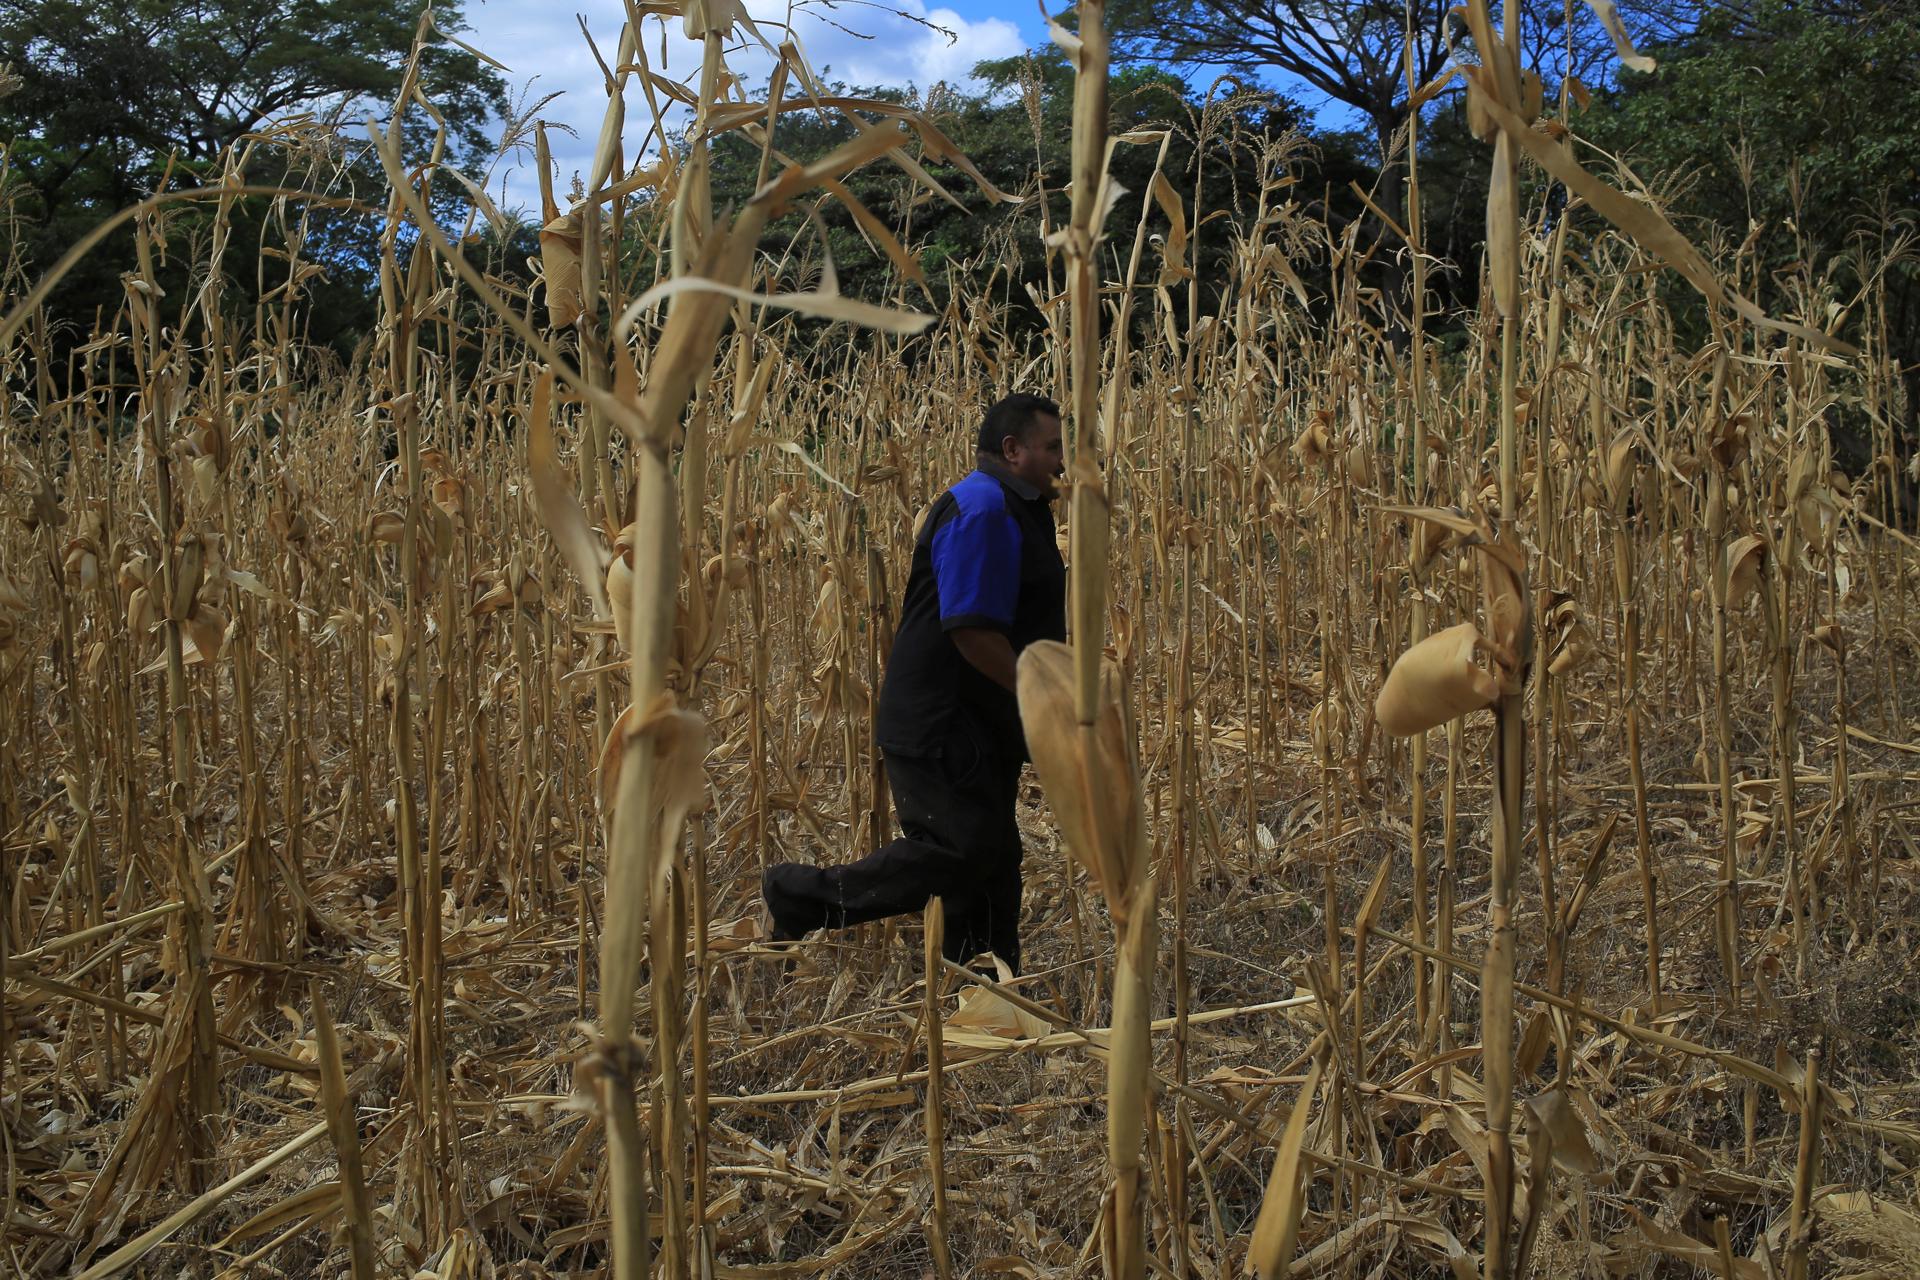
(173, 1117)
(1072, 703)
(1442, 677)
(652, 771)
(1509, 623)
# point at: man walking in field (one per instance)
(987, 581)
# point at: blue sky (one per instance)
(860, 42)
(541, 44)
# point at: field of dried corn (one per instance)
(1472, 831)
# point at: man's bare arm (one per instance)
(989, 651)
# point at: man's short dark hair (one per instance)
(1014, 416)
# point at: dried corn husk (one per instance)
(202, 633)
(1313, 443)
(82, 555)
(450, 495)
(1428, 541)
(140, 612)
(386, 526)
(984, 1012)
(1096, 800)
(1503, 591)
(620, 587)
(679, 739)
(560, 248)
(1745, 558)
(1619, 470)
(1434, 681)
(13, 607)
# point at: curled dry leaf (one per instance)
(1568, 643)
(1572, 1150)
(620, 593)
(491, 593)
(1746, 557)
(1436, 680)
(386, 526)
(679, 739)
(560, 248)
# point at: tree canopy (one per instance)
(111, 94)
(1789, 131)
(1016, 129)
(1801, 120)
(1793, 127)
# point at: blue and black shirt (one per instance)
(985, 557)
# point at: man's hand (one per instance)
(990, 652)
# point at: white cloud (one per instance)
(899, 43)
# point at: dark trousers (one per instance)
(960, 844)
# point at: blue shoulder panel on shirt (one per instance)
(976, 557)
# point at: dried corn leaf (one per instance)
(558, 507)
(819, 303)
(1276, 1232)
(319, 1200)
(1684, 1248)
(1622, 46)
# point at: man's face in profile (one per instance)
(1036, 455)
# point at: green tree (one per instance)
(1359, 54)
(1794, 127)
(111, 93)
(1017, 131)
(1353, 51)
(1804, 118)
